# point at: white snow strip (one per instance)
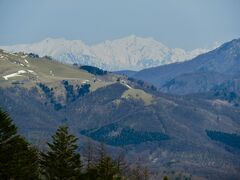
(22, 64)
(31, 71)
(26, 61)
(14, 74)
(24, 56)
(11, 75)
(129, 87)
(21, 71)
(85, 81)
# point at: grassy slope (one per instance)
(51, 72)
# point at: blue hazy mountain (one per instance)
(200, 74)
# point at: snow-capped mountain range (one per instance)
(132, 53)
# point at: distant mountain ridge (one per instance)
(131, 53)
(198, 75)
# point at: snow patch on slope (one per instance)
(19, 73)
(14, 74)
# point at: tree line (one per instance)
(20, 160)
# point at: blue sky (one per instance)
(177, 23)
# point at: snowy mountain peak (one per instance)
(131, 52)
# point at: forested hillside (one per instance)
(162, 131)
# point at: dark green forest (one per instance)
(124, 137)
(93, 70)
(61, 160)
(232, 140)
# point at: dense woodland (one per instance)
(232, 140)
(93, 70)
(126, 135)
(61, 160)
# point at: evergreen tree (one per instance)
(62, 161)
(106, 167)
(17, 159)
(165, 178)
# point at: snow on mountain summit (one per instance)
(132, 52)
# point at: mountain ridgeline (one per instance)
(202, 74)
(130, 52)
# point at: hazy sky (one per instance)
(177, 23)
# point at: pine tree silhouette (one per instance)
(62, 161)
(18, 160)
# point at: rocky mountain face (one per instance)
(201, 74)
(174, 133)
(131, 53)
